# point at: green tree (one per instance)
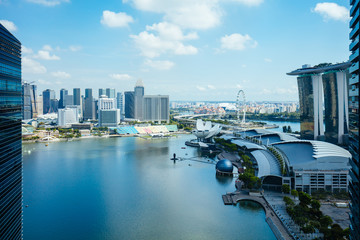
(304, 198)
(288, 201)
(284, 129)
(285, 188)
(325, 221)
(315, 204)
(294, 193)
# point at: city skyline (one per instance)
(226, 46)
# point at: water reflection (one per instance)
(224, 180)
(250, 206)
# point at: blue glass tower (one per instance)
(354, 119)
(10, 136)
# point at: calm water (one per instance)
(127, 188)
(295, 126)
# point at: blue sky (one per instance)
(188, 49)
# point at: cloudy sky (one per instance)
(189, 49)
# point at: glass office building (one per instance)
(10, 136)
(129, 104)
(354, 119)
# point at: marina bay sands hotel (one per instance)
(324, 86)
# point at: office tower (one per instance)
(69, 100)
(77, 96)
(63, 94)
(156, 108)
(110, 92)
(119, 103)
(54, 105)
(102, 92)
(129, 104)
(48, 95)
(354, 120)
(96, 112)
(10, 137)
(89, 108)
(109, 116)
(29, 109)
(138, 100)
(321, 86)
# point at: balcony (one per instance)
(354, 44)
(354, 79)
(354, 19)
(354, 8)
(354, 32)
(354, 67)
(354, 56)
(353, 92)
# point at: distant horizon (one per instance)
(185, 49)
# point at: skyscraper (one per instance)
(102, 91)
(29, 109)
(77, 96)
(110, 92)
(48, 95)
(138, 100)
(89, 108)
(354, 188)
(109, 116)
(156, 108)
(119, 103)
(63, 94)
(10, 137)
(129, 104)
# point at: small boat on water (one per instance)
(46, 145)
(183, 147)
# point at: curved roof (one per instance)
(316, 70)
(206, 130)
(247, 145)
(267, 163)
(310, 154)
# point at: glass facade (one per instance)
(77, 96)
(48, 95)
(354, 120)
(10, 137)
(129, 104)
(306, 101)
(29, 108)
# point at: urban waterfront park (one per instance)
(127, 188)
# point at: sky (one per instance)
(191, 50)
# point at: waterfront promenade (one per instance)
(276, 225)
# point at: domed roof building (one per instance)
(224, 165)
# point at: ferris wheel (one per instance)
(241, 105)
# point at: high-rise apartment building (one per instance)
(109, 116)
(29, 108)
(10, 136)
(89, 108)
(77, 96)
(325, 85)
(354, 188)
(63, 94)
(48, 95)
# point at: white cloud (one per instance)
(45, 55)
(31, 66)
(41, 81)
(47, 48)
(48, 3)
(250, 2)
(201, 88)
(118, 76)
(212, 87)
(10, 26)
(237, 41)
(160, 65)
(60, 74)
(268, 60)
(239, 86)
(112, 19)
(166, 38)
(74, 48)
(26, 50)
(194, 14)
(332, 11)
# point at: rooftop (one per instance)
(316, 70)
